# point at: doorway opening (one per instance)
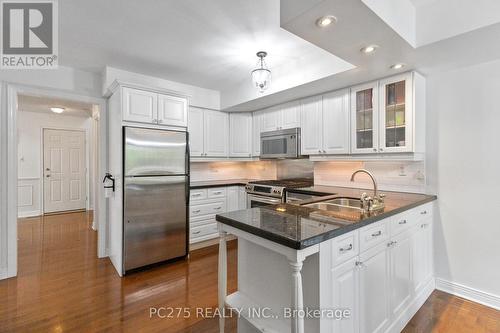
(56, 159)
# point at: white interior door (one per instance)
(64, 171)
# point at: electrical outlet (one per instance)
(402, 171)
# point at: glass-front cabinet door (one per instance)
(364, 118)
(396, 114)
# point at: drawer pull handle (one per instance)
(217, 208)
(425, 225)
(423, 212)
(347, 248)
(219, 192)
(196, 232)
(196, 194)
(196, 211)
(402, 222)
(376, 234)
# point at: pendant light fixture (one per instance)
(261, 76)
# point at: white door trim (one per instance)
(8, 175)
(88, 158)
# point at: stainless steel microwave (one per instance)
(280, 144)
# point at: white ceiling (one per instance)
(211, 44)
(359, 26)
(28, 103)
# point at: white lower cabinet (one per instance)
(205, 203)
(401, 279)
(422, 252)
(346, 296)
(387, 273)
(374, 289)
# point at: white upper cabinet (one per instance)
(336, 134)
(216, 133)
(271, 119)
(325, 124)
(281, 117)
(240, 131)
(256, 129)
(388, 116)
(312, 126)
(396, 114)
(290, 115)
(195, 129)
(139, 105)
(172, 111)
(152, 108)
(365, 118)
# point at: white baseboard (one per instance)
(29, 214)
(469, 293)
(3, 273)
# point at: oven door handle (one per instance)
(259, 198)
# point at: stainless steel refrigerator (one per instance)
(156, 183)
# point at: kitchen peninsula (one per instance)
(376, 265)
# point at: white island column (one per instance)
(297, 297)
(222, 277)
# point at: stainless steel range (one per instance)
(272, 192)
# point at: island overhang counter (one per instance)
(299, 272)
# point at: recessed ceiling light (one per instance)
(397, 66)
(325, 21)
(57, 110)
(369, 49)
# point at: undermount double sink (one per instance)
(338, 205)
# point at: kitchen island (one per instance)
(365, 272)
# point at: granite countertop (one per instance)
(217, 183)
(299, 227)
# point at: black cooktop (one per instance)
(286, 183)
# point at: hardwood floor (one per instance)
(62, 287)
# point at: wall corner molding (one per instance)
(469, 293)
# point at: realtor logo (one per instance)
(29, 34)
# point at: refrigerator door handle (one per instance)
(188, 171)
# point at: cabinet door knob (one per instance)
(160, 121)
(381, 149)
(374, 149)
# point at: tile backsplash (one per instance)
(405, 176)
(202, 171)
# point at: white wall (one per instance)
(203, 171)
(29, 151)
(463, 117)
